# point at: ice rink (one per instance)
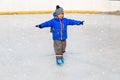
(93, 50)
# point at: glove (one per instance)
(39, 26)
(82, 22)
(36, 25)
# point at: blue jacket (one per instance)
(59, 27)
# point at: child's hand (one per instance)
(82, 22)
(36, 25)
(39, 26)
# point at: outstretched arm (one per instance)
(45, 24)
(74, 22)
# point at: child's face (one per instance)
(60, 16)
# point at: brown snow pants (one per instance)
(59, 46)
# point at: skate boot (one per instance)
(59, 59)
(62, 59)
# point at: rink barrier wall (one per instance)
(48, 11)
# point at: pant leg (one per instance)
(63, 46)
(58, 47)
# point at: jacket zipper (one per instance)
(61, 29)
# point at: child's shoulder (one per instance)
(65, 19)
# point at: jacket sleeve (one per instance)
(46, 24)
(73, 22)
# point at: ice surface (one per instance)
(93, 50)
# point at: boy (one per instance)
(59, 31)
